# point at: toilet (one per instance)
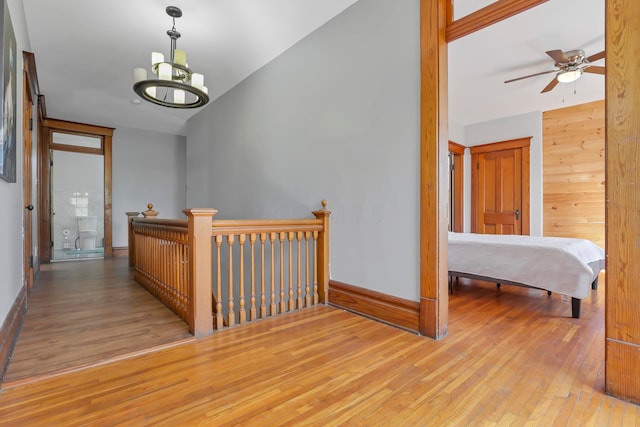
(87, 232)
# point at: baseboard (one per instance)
(10, 328)
(120, 251)
(383, 307)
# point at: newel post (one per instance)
(323, 253)
(200, 267)
(132, 239)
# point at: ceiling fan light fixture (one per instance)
(172, 84)
(569, 76)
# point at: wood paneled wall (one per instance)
(573, 172)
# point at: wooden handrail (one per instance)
(224, 227)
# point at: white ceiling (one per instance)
(86, 51)
(480, 63)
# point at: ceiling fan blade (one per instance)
(550, 86)
(558, 56)
(531, 75)
(594, 69)
(596, 56)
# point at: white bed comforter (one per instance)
(553, 263)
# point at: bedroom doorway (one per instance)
(500, 187)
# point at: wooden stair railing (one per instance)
(260, 268)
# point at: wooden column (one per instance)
(200, 271)
(132, 240)
(622, 313)
(323, 254)
(434, 298)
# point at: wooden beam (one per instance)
(489, 15)
(622, 322)
(433, 170)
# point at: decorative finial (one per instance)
(150, 213)
(324, 203)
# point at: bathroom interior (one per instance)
(77, 203)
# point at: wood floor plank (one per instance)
(513, 357)
(84, 312)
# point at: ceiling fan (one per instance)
(569, 67)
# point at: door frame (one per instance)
(49, 126)
(29, 96)
(437, 29)
(457, 190)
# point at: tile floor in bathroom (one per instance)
(76, 254)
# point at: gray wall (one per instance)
(523, 125)
(11, 206)
(148, 167)
(335, 117)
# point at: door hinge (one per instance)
(31, 261)
(51, 244)
(31, 124)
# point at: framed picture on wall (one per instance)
(8, 105)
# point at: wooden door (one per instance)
(27, 196)
(500, 187)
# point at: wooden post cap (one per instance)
(150, 213)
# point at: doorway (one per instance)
(77, 200)
(81, 211)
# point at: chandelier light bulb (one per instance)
(156, 58)
(180, 57)
(178, 96)
(197, 80)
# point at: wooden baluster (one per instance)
(161, 266)
(299, 285)
(323, 253)
(171, 269)
(175, 247)
(291, 297)
(185, 270)
(283, 303)
(307, 295)
(263, 302)
(231, 315)
(242, 314)
(132, 240)
(272, 311)
(252, 309)
(219, 321)
(315, 267)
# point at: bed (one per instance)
(555, 264)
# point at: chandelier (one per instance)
(174, 84)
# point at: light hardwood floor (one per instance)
(85, 312)
(513, 357)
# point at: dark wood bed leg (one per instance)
(498, 285)
(575, 308)
(549, 293)
(594, 284)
